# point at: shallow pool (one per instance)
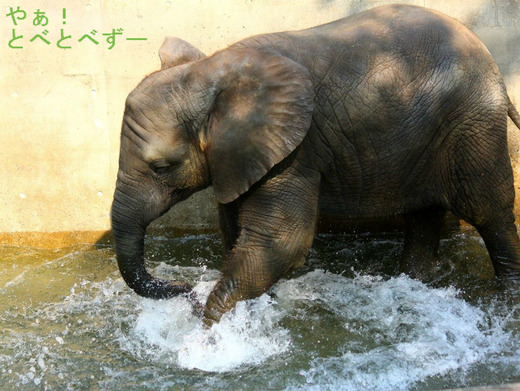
(346, 321)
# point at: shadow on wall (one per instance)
(503, 42)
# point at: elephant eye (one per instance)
(161, 169)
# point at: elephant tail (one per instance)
(513, 114)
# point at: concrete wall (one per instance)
(61, 109)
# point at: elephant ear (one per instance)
(261, 113)
(175, 51)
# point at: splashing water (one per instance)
(168, 331)
(68, 321)
(410, 331)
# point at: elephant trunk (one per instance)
(129, 233)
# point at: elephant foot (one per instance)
(222, 299)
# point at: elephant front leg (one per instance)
(248, 276)
(276, 229)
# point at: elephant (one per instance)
(398, 110)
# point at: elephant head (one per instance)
(221, 121)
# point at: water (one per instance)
(346, 321)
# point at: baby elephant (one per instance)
(396, 111)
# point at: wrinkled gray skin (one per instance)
(398, 110)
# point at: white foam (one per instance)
(420, 332)
(249, 335)
(168, 331)
(403, 332)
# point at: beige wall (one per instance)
(61, 109)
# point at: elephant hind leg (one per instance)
(421, 244)
(485, 199)
(480, 187)
(492, 215)
(503, 245)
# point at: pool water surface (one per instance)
(346, 321)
